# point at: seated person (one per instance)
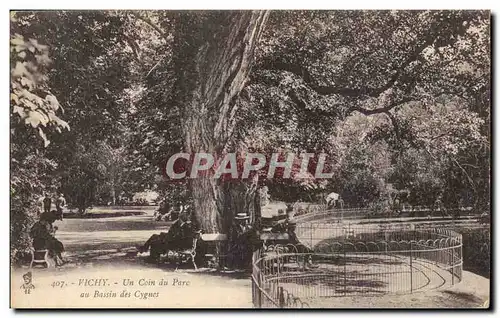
(173, 212)
(179, 237)
(280, 225)
(162, 212)
(42, 233)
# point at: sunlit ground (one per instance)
(105, 248)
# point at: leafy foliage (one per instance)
(31, 101)
(317, 69)
(33, 115)
(477, 251)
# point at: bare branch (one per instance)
(465, 173)
(301, 104)
(155, 66)
(134, 47)
(381, 110)
(150, 23)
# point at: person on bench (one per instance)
(179, 237)
(42, 233)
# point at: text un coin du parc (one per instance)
(134, 288)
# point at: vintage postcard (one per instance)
(250, 159)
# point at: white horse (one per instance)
(333, 199)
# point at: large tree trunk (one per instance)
(213, 55)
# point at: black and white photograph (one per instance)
(254, 159)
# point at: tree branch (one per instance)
(303, 72)
(299, 102)
(311, 83)
(134, 47)
(465, 173)
(151, 24)
(381, 110)
(155, 66)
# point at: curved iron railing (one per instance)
(332, 260)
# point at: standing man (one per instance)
(47, 203)
(397, 206)
(242, 233)
(341, 202)
(290, 213)
(241, 225)
(439, 205)
(60, 203)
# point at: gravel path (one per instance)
(102, 248)
(472, 292)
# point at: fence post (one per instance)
(461, 256)
(453, 265)
(345, 270)
(256, 281)
(311, 231)
(411, 267)
(281, 297)
(278, 263)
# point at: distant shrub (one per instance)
(477, 250)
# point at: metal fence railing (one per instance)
(321, 212)
(267, 293)
(332, 260)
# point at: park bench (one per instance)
(40, 257)
(215, 243)
(272, 220)
(275, 243)
(184, 255)
(269, 238)
(348, 231)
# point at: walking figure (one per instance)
(60, 203)
(439, 205)
(47, 203)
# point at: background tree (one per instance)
(90, 74)
(323, 66)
